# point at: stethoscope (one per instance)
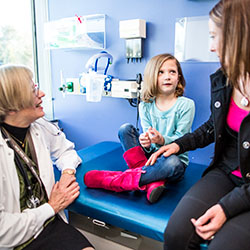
(32, 200)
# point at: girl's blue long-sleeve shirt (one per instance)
(172, 123)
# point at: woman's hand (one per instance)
(145, 140)
(66, 178)
(155, 136)
(64, 192)
(210, 222)
(166, 150)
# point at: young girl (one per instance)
(165, 116)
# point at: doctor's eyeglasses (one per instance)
(36, 89)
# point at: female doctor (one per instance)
(31, 203)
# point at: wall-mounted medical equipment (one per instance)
(94, 79)
(66, 87)
(95, 83)
(124, 89)
(192, 42)
(133, 31)
(128, 89)
(76, 32)
(92, 63)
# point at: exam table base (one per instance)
(108, 237)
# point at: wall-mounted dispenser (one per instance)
(189, 49)
(84, 32)
(133, 31)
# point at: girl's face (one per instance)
(215, 36)
(168, 77)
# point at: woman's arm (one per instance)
(62, 151)
(17, 228)
(237, 201)
(200, 138)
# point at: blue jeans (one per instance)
(129, 136)
(170, 168)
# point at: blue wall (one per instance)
(89, 123)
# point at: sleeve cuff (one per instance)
(236, 201)
(148, 150)
(70, 167)
(44, 212)
(40, 215)
(224, 209)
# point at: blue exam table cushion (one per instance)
(128, 210)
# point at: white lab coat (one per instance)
(50, 144)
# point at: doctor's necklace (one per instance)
(22, 143)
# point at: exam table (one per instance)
(123, 220)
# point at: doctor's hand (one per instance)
(64, 193)
(166, 150)
(155, 136)
(67, 177)
(145, 140)
(210, 222)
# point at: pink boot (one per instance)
(114, 180)
(135, 157)
(99, 178)
(154, 190)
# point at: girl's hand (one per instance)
(156, 136)
(210, 222)
(145, 140)
(166, 150)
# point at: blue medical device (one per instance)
(91, 65)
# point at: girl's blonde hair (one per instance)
(150, 86)
(15, 89)
(233, 18)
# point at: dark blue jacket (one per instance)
(238, 200)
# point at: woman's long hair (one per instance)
(233, 18)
